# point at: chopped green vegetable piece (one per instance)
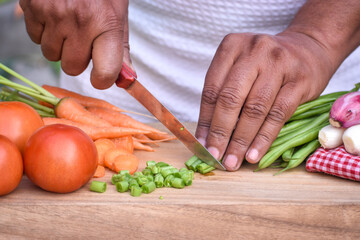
(183, 169)
(150, 178)
(148, 187)
(161, 164)
(142, 180)
(166, 171)
(191, 160)
(161, 197)
(195, 164)
(146, 171)
(167, 181)
(150, 163)
(115, 178)
(133, 182)
(137, 174)
(155, 169)
(122, 172)
(135, 191)
(181, 129)
(177, 183)
(204, 168)
(122, 186)
(159, 180)
(97, 186)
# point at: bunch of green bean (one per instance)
(298, 138)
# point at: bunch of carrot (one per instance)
(116, 135)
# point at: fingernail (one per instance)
(252, 155)
(214, 151)
(202, 141)
(230, 161)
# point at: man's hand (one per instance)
(253, 85)
(77, 31)
(256, 81)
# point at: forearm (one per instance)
(334, 24)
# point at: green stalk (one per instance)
(293, 126)
(8, 95)
(301, 155)
(313, 112)
(298, 140)
(27, 81)
(316, 122)
(29, 91)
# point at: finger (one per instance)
(284, 106)
(219, 68)
(107, 55)
(257, 105)
(76, 53)
(229, 104)
(126, 46)
(51, 43)
(33, 27)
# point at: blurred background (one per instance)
(18, 52)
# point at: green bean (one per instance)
(300, 155)
(98, 186)
(298, 140)
(319, 120)
(293, 126)
(312, 112)
(286, 156)
(312, 104)
(328, 98)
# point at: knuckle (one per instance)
(255, 109)
(227, 45)
(82, 17)
(210, 94)
(279, 112)
(265, 137)
(239, 142)
(218, 132)
(260, 41)
(230, 98)
(277, 53)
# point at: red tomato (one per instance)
(18, 121)
(11, 166)
(60, 158)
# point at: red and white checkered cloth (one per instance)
(336, 162)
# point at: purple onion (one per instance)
(345, 112)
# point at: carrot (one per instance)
(126, 162)
(87, 101)
(95, 132)
(102, 146)
(126, 143)
(70, 109)
(121, 120)
(159, 136)
(83, 100)
(110, 156)
(100, 172)
(140, 146)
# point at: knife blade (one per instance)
(128, 80)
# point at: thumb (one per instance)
(126, 54)
(107, 57)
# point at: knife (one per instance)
(128, 80)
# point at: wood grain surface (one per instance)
(227, 205)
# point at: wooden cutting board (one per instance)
(227, 205)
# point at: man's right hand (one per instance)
(77, 31)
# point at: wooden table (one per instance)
(227, 205)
